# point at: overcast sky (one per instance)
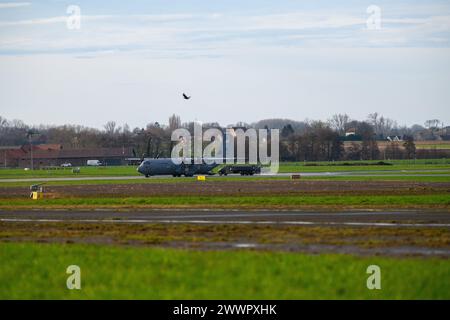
(241, 60)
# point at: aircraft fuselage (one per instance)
(165, 166)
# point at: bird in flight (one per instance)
(186, 97)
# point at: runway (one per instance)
(372, 173)
(429, 219)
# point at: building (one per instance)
(56, 155)
(9, 156)
(350, 132)
(394, 138)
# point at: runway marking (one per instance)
(198, 213)
(359, 224)
(282, 214)
(245, 245)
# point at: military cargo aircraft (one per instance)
(165, 166)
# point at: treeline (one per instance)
(339, 138)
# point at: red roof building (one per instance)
(55, 155)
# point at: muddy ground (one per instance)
(257, 187)
(308, 239)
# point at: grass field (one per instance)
(137, 261)
(337, 166)
(116, 171)
(37, 271)
(257, 201)
(439, 145)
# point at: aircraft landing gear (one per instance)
(188, 173)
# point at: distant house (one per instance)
(350, 132)
(436, 134)
(394, 138)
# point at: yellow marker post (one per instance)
(201, 178)
(37, 195)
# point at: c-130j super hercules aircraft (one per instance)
(188, 166)
(165, 166)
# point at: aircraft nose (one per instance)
(140, 169)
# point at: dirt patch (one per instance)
(228, 188)
(364, 241)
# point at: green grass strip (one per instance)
(38, 271)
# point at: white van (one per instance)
(94, 163)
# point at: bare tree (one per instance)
(432, 124)
(410, 147)
(381, 125)
(373, 120)
(339, 122)
(126, 129)
(369, 146)
(18, 124)
(3, 122)
(110, 128)
(174, 122)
